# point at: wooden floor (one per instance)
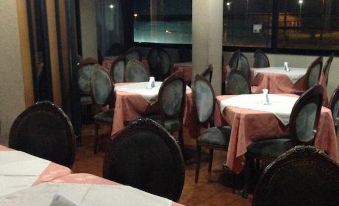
(204, 193)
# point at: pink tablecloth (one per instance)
(129, 106)
(52, 171)
(249, 125)
(84, 178)
(280, 83)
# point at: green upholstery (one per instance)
(118, 69)
(271, 148)
(102, 87)
(215, 136)
(260, 59)
(135, 72)
(204, 99)
(84, 77)
(172, 97)
(305, 122)
(105, 116)
(237, 84)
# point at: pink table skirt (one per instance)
(53, 170)
(281, 83)
(130, 106)
(84, 178)
(249, 125)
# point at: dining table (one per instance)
(74, 190)
(251, 119)
(135, 99)
(20, 170)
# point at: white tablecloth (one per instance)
(294, 74)
(84, 195)
(150, 95)
(280, 105)
(19, 170)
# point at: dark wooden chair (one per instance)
(160, 63)
(132, 53)
(45, 131)
(302, 176)
(334, 106)
(260, 59)
(213, 138)
(102, 90)
(234, 59)
(208, 72)
(135, 71)
(302, 131)
(313, 72)
(236, 83)
(327, 67)
(117, 70)
(145, 156)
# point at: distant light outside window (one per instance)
(164, 21)
(247, 23)
(308, 24)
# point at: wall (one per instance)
(88, 28)
(298, 61)
(12, 98)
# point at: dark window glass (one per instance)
(163, 21)
(247, 23)
(308, 24)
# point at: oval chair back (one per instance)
(86, 67)
(171, 98)
(204, 98)
(159, 62)
(135, 71)
(234, 59)
(133, 53)
(334, 106)
(102, 88)
(45, 131)
(208, 72)
(118, 69)
(313, 72)
(303, 175)
(305, 116)
(260, 59)
(236, 83)
(145, 156)
(327, 67)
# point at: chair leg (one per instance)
(96, 137)
(249, 168)
(181, 138)
(210, 164)
(198, 163)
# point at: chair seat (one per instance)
(271, 148)
(105, 116)
(85, 100)
(219, 136)
(169, 124)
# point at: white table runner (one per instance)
(84, 195)
(280, 105)
(150, 95)
(294, 74)
(19, 170)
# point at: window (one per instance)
(163, 21)
(308, 24)
(282, 24)
(247, 23)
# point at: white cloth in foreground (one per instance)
(280, 105)
(19, 170)
(83, 195)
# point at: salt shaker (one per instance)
(286, 67)
(265, 96)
